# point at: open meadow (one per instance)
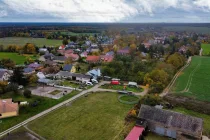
(194, 81)
(97, 116)
(206, 49)
(26, 112)
(40, 42)
(18, 59)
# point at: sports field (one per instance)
(40, 42)
(18, 59)
(206, 49)
(194, 81)
(98, 116)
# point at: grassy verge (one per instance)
(29, 111)
(97, 116)
(121, 87)
(68, 83)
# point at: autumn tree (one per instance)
(29, 48)
(176, 59)
(65, 41)
(3, 85)
(68, 61)
(157, 79)
(32, 79)
(7, 63)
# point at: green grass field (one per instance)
(194, 81)
(98, 116)
(40, 42)
(18, 59)
(29, 111)
(206, 49)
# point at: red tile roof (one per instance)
(93, 58)
(135, 133)
(6, 105)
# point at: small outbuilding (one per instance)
(8, 108)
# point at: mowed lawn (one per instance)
(18, 59)
(206, 49)
(194, 81)
(98, 116)
(40, 42)
(26, 112)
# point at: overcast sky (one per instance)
(141, 11)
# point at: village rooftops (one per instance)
(171, 119)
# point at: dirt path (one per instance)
(168, 88)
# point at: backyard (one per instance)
(20, 41)
(194, 81)
(121, 87)
(29, 111)
(206, 49)
(18, 59)
(92, 117)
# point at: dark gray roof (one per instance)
(69, 74)
(171, 119)
(67, 67)
(60, 58)
(28, 70)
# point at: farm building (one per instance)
(8, 108)
(72, 76)
(171, 124)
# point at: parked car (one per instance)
(94, 81)
(115, 79)
(107, 78)
(132, 84)
(89, 83)
(20, 87)
(115, 82)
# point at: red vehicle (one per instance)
(115, 82)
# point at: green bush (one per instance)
(27, 93)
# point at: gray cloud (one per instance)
(104, 10)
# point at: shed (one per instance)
(135, 133)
